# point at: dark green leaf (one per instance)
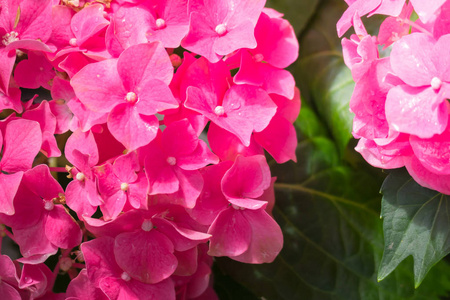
(324, 79)
(416, 222)
(297, 12)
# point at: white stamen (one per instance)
(258, 57)
(131, 97)
(9, 38)
(160, 23)
(237, 207)
(80, 176)
(49, 205)
(219, 110)
(124, 186)
(147, 225)
(73, 42)
(125, 276)
(221, 29)
(171, 160)
(436, 83)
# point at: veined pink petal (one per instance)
(247, 178)
(433, 153)
(266, 240)
(8, 188)
(130, 128)
(279, 138)
(88, 22)
(61, 229)
(231, 233)
(419, 69)
(426, 10)
(179, 139)
(142, 62)
(424, 177)
(99, 86)
(417, 111)
(211, 201)
(34, 72)
(22, 141)
(33, 241)
(146, 256)
(227, 146)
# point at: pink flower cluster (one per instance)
(166, 148)
(400, 100)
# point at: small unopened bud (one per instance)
(131, 97)
(176, 60)
(221, 29)
(125, 276)
(160, 23)
(258, 57)
(171, 160)
(436, 83)
(65, 264)
(80, 176)
(49, 205)
(219, 110)
(147, 225)
(124, 186)
(73, 42)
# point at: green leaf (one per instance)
(324, 80)
(416, 222)
(297, 12)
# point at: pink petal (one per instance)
(426, 10)
(266, 240)
(417, 111)
(182, 238)
(33, 241)
(34, 72)
(98, 86)
(61, 229)
(9, 183)
(100, 261)
(88, 22)
(81, 288)
(146, 256)
(179, 139)
(424, 177)
(22, 141)
(247, 178)
(85, 143)
(211, 201)
(418, 69)
(130, 128)
(231, 233)
(433, 153)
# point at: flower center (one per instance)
(221, 29)
(65, 264)
(124, 186)
(131, 97)
(237, 207)
(219, 110)
(80, 176)
(147, 225)
(49, 205)
(125, 276)
(171, 160)
(160, 23)
(258, 57)
(73, 42)
(436, 83)
(9, 38)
